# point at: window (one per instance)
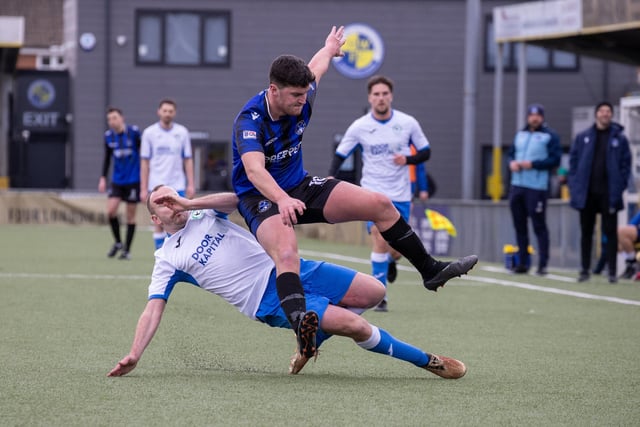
(182, 38)
(538, 58)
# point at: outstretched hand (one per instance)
(126, 365)
(289, 209)
(335, 40)
(174, 202)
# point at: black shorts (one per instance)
(313, 191)
(129, 193)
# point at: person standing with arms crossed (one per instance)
(275, 191)
(599, 170)
(385, 137)
(535, 151)
(122, 143)
(166, 159)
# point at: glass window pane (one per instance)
(492, 50)
(564, 59)
(537, 57)
(216, 45)
(149, 37)
(182, 39)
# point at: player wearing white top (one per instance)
(385, 137)
(207, 250)
(166, 158)
(381, 141)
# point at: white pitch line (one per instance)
(553, 290)
(341, 257)
(547, 276)
(489, 280)
(508, 283)
(71, 276)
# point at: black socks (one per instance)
(403, 239)
(291, 296)
(115, 228)
(131, 230)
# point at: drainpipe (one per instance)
(107, 52)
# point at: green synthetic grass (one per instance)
(67, 315)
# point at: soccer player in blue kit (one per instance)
(122, 142)
(209, 251)
(275, 191)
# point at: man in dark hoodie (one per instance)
(535, 151)
(599, 168)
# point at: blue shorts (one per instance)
(323, 284)
(403, 207)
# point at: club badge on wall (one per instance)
(363, 52)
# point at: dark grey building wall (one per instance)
(424, 45)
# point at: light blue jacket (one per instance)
(542, 148)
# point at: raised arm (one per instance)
(146, 329)
(223, 202)
(319, 64)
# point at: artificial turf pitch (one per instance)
(67, 315)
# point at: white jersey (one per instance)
(217, 255)
(379, 141)
(166, 151)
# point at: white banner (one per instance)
(538, 19)
(11, 31)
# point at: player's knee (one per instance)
(287, 257)
(381, 206)
(357, 328)
(375, 293)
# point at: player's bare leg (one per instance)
(349, 202)
(340, 321)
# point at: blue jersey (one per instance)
(279, 140)
(125, 149)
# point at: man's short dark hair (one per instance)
(150, 208)
(604, 104)
(168, 101)
(114, 110)
(374, 80)
(290, 71)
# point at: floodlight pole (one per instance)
(522, 85)
(494, 182)
(470, 88)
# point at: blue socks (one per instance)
(379, 266)
(384, 343)
(158, 239)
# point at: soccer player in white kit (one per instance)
(385, 137)
(209, 251)
(166, 158)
